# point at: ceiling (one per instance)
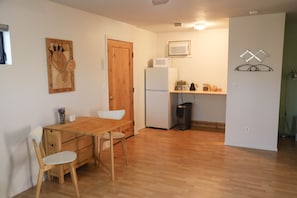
(161, 18)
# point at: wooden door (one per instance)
(120, 79)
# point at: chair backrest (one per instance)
(36, 136)
(112, 114)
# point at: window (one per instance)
(2, 51)
(5, 50)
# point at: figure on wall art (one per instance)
(60, 65)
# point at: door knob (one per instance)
(110, 98)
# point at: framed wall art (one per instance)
(60, 64)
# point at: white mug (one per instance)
(71, 118)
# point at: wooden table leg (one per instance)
(96, 150)
(111, 156)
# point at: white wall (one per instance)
(25, 101)
(253, 97)
(207, 63)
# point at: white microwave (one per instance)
(161, 62)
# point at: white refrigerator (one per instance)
(160, 105)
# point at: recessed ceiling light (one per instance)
(200, 26)
(253, 12)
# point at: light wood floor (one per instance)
(186, 164)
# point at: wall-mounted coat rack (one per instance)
(253, 68)
(259, 57)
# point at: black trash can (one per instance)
(184, 116)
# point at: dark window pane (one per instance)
(2, 52)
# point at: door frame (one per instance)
(131, 76)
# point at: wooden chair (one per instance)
(117, 135)
(49, 162)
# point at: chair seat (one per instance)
(115, 135)
(60, 158)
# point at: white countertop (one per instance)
(199, 92)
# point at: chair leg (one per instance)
(39, 182)
(61, 175)
(74, 178)
(124, 146)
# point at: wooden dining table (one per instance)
(93, 126)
